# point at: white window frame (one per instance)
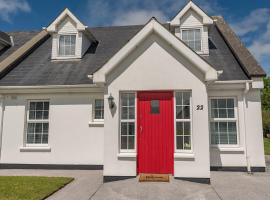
(128, 120)
(58, 45)
(183, 120)
(36, 121)
(94, 110)
(193, 28)
(235, 119)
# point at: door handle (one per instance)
(141, 129)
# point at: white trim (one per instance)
(153, 26)
(183, 151)
(64, 57)
(228, 149)
(193, 28)
(206, 19)
(65, 13)
(184, 155)
(123, 151)
(35, 149)
(235, 119)
(127, 155)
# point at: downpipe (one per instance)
(247, 89)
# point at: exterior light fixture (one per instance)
(111, 101)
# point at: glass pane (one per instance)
(32, 106)
(38, 114)
(131, 128)
(124, 142)
(223, 138)
(45, 127)
(179, 100)
(223, 127)
(179, 128)
(131, 113)
(124, 113)
(197, 35)
(198, 46)
(232, 127)
(222, 113)
(31, 128)
(131, 99)
(38, 128)
(184, 35)
(186, 98)
(73, 40)
(39, 106)
(155, 106)
(124, 100)
(187, 128)
(214, 103)
(179, 112)
(45, 114)
(45, 139)
(38, 138)
(187, 143)
(222, 103)
(32, 115)
(214, 113)
(232, 138)
(131, 143)
(179, 142)
(46, 105)
(230, 113)
(30, 138)
(124, 128)
(186, 112)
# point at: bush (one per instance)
(266, 122)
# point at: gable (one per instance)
(153, 26)
(67, 25)
(191, 19)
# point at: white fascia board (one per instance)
(83, 88)
(206, 19)
(66, 12)
(257, 83)
(155, 27)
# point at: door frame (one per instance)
(137, 123)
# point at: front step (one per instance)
(154, 178)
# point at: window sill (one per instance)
(127, 155)
(36, 149)
(96, 123)
(229, 149)
(184, 155)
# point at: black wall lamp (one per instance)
(111, 101)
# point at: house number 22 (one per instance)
(199, 107)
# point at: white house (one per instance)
(179, 98)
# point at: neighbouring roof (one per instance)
(38, 69)
(5, 38)
(246, 59)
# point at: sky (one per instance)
(250, 19)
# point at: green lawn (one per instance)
(267, 146)
(30, 187)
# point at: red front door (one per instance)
(155, 132)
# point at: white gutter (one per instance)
(234, 82)
(247, 88)
(50, 86)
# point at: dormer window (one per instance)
(67, 45)
(192, 37)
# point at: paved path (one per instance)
(225, 186)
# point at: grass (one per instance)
(30, 187)
(267, 146)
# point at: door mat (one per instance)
(154, 178)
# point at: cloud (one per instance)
(106, 12)
(251, 23)
(138, 17)
(11, 7)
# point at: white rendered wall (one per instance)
(154, 65)
(71, 139)
(249, 127)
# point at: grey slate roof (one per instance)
(19, 38)
(38, 69)
(5, 38)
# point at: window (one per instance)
(192, 37)
(155, 106)
(183, 120)
(127, 123)
(38, 122)
(67, 45)
(99, 109)
(223, 121)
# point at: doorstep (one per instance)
(154, 178)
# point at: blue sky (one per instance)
(249, 18)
